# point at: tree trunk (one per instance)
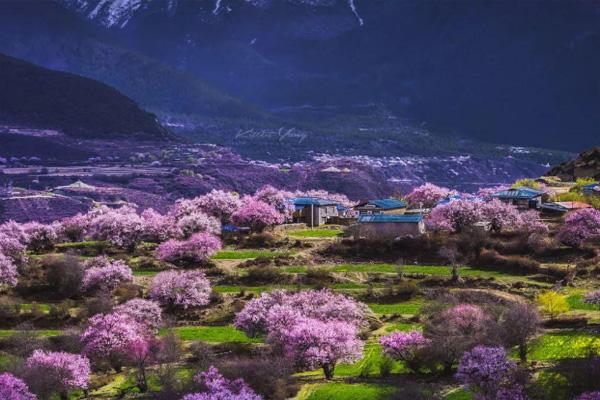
(448, 368)
(455, 276)
(328, 370)
(523, 352)
(142, 382)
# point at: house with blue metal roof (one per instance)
(591, 189)
(314, 211)
(521, 197)
(388, 226)
(381, 206)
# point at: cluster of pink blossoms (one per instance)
(256, 214)
(466, 318)
(71, 370)
(312, 328)
(13, 240)
(589, 396)
(579, 226)
(41, 236)
(13, 388)
(8, 271)
(143, 312)
(402, 345)
(220, 388)
(322, 304)
(461, 214)
(105, 275)
(108, 336)
(488, 372)
(427, 195)
(180, 288)
(198, 248)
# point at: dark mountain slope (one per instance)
(514, 72)
(38, 97)
(586, 165)
(45, 33)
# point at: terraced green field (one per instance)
(212, 334)
(246, 254)
(315, 233)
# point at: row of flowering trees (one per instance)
(463, 211)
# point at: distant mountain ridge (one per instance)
(37, 97)
(586, 165)
(480, 70)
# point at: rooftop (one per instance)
(390, 218)
(315, 201)
(385, 204)
(518, 193)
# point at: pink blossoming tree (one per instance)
(578, 226)
(321, 304)
(13, 388)
(157, 227)
(40, 236)
(427, 195)
(455, 216)
(56, 372)
(180, 288)
(108, 336)
(220, 388)
(144, 312)
(403, 346)
(102, 274)
(122, 227)
(197, 249)
(197, 222)
(216, 203)
(312, 343)
(8, 271)
(256, 214)
(488, 372)
(281, 200)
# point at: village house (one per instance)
(388, 226)
(521, 197)
(314, 211)
(381, 206)
(592, 189)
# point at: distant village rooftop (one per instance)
(520, 193)
(384, 218)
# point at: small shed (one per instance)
(562, 207)
(521, 197)
(388, 226)
(381, 206)
(314, 211)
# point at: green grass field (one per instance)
(246, 254)
(409, 307)
(435, 270)
(212, 334)
(345, 391)
(576, 302)
(557, 345)
(39, 332)
(315, 233)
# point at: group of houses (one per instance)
(391, 218)
(370, 218)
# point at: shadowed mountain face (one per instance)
(36, 97)
(586, 165)
(522, 73)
